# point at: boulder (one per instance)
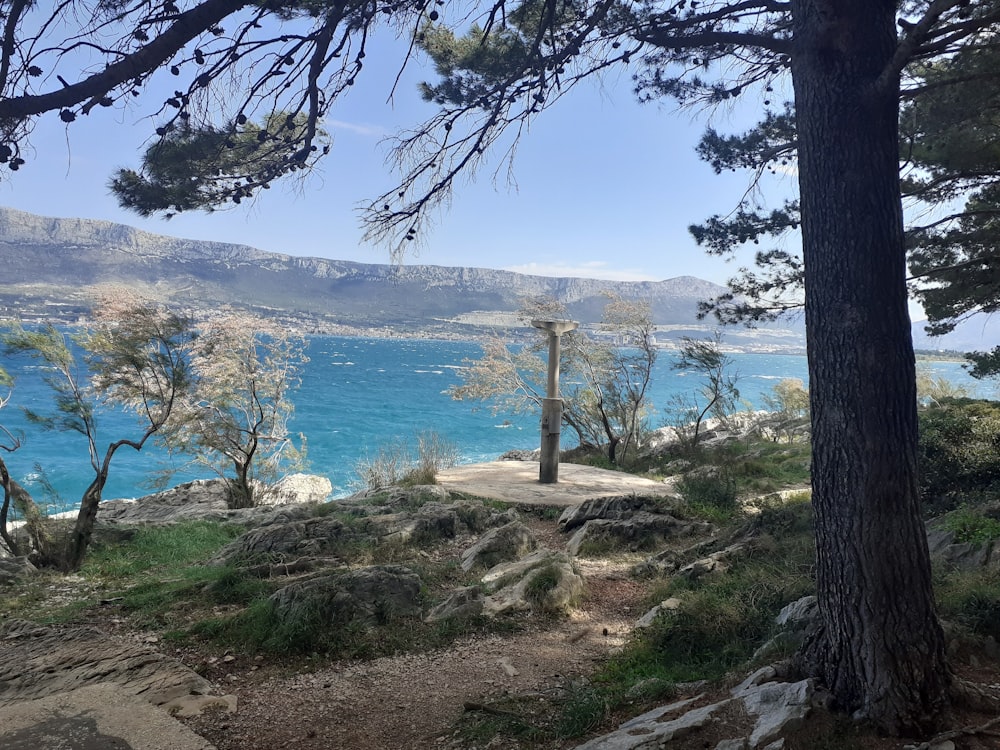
(298, 488)
(543, 581)
(200, 499)
(508, 542)
(642, 530)
(615, 508)
(37, 661)
(372, 595)
(464, 602)
(428, 524)
(12, 568)
(282, 541)
(962, 555)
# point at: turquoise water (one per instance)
(356, 395)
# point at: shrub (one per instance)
(397, 463)
(959, 453)
(969, 525)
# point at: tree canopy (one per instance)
(950, 183)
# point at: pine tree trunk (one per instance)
(880, 649)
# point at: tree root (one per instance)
(976, 698)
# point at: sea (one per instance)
(357, 396)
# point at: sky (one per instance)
(605, 187)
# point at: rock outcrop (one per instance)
(37, 661)
(372, 595)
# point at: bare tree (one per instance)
(604, 382)
(717, 394)
(133, 360)
(235, 414)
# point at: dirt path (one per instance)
(412, 701)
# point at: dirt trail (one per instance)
(413, 700)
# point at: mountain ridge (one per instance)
(54, 267)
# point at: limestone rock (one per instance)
(799, 614)
(37, 661)
(667, 605)
(544, 580)
(717, 562)
(651, 731)
(464, 602)
(368, 595)
(298, 488)
(642, 530)
(508, 542)
(12, 568)
(963, 555)
(430, 523)
(779, 707)
(615, 508)
(200, 499)
(207, 499)
(96, 717)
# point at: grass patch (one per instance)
(167, 550)
(257, 629)
(970, 525)
(970, 598)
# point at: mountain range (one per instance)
(54, 267)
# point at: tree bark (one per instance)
(83, 529)
(879, 649)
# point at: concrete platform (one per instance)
(96, 717)
(517, 482)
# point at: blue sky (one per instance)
(605, 187)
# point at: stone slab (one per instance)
(517, 482)
(95, 717)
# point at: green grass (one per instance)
(165, 550)
(969, 598)
(970, 525)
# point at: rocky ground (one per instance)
(415, 700)
(428, 699)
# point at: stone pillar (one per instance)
(548, 467)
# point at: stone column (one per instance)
(548, 467)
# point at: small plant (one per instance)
(970, 598)
(585, 709)
(541, 583)
(397, 464)
(712, 494)
(968, 525)
(959, 456)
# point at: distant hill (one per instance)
(979, 332)
(52, 268)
